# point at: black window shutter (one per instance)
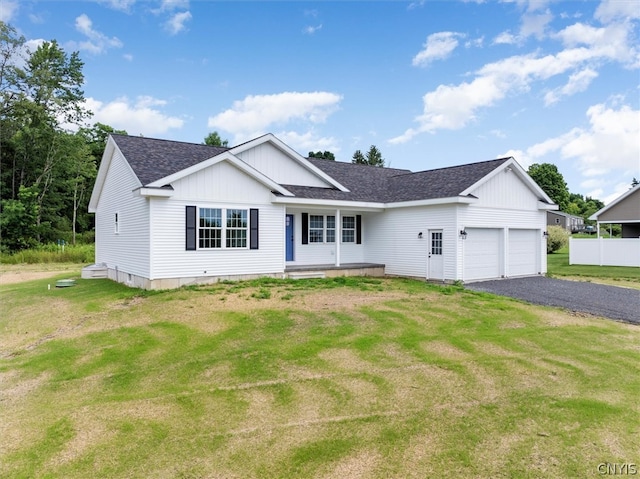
(190, 228)
(253, 225)
(358, 229)
(305, 228)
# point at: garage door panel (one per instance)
(482, 255)
(523, 253)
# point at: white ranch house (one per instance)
(170, 214)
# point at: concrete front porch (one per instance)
(332, 271)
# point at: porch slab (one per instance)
(332, 271)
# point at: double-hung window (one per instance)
(331, 229)
(236, 229)
(316, 229)
(348, 229)
(210, 230)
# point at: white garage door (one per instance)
(482, 253)
(523, 252)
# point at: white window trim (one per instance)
(224, 229)
(343, 229)
(325, 229)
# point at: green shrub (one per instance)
(558, 238)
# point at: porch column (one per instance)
(338, 236)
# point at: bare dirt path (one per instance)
(18, 273)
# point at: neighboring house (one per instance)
(171, 213)
(625, 251)
(571, 223)
(625, 211)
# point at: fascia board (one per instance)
(551, 207)
(361, 205)
(435, 201)
(614, 221)
(270, 138)
(372, 205)
(225, 156)
(155, 192)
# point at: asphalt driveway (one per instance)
(622, 304)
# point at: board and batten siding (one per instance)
(505, 190)
(280, 167)
(219, 186)
(392, 239)
(128, 250)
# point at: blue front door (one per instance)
(289, 238)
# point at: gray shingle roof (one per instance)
(388, 185)
(152, 159)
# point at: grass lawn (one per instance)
(558, 266)
(341, 378)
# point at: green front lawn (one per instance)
(558, 265)
(342, 378)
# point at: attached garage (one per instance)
(524, 257)
(482, 253)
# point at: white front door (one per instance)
(435, 266)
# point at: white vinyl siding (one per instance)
(172, 260)
(122, 244)
(221, 186)
(393, 239)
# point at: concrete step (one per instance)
(306, 274)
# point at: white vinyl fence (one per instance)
(605, 251)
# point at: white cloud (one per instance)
(310, 30)
(535, 24)
(97, 42)
(608, 146)
(121, 5)
(617, 9)
(171, 5)
(309, 141)
(257, 114)
(139, 118)
(505, 38)
(128, 57)
(437, 47)
(176, 23)
(578, 82)
(8, 9)
(454, 106)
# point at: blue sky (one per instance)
(430, 83)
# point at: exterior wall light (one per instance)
(420, 235)
(545, 234)
(463, 234)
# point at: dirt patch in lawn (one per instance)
(13, 277)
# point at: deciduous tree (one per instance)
(547, 176)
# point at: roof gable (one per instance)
(152, 159)
(631, 197)
(289, 152)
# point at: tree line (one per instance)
(48, 160)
